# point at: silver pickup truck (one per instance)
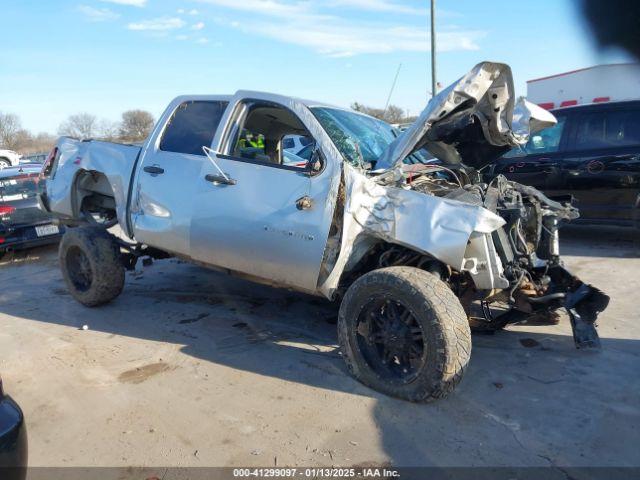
(398, 227)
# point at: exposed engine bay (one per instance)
(511, 269)
(536, 283)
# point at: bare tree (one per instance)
(374, 112)
(9, 128)
(40, 143)
(23, 139)
(136, 125)
(393, 113)
(80, 125)
(108, 130)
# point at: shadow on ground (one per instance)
(529, 398)
(600, 241)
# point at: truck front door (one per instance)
(271, 218)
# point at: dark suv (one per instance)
(593, 153)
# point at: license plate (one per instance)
(45, 230)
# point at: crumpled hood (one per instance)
(473, 121)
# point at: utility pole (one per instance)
(434, 81)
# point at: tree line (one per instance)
(392, 114)
(134, 126)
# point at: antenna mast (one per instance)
(393, 86)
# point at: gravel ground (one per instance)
(191, 368)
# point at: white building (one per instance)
(602, 83)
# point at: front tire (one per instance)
(4, 163)
(91, 265)
(403, 332)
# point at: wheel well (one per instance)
(94, 196)
(385, 254)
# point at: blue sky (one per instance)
(106, 56)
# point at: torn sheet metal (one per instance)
(114, 161)
(473, 121)
(433, 225)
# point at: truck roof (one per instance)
(249, 93)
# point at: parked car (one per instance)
(410, 250)
(34, 158)
(13, 439)
(295, 143)
(9, 158)
(292, 159)
(22, 223)
(593, 154)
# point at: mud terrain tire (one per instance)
(91, 265)
(404, 309)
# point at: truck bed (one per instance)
(103, 168)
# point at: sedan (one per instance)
(22, 223)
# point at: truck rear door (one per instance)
(164, 189)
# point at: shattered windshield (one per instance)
(359, 138)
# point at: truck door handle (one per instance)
(220, 179)
(154, 170)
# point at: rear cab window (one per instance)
(18, 187)
(191, 126)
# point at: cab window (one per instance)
(264, 133)
(192, 126)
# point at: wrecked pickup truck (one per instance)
(417, 252)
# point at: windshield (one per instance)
(359, 138)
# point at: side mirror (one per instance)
(315, 163)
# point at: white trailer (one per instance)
(602, 83)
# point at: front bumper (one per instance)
(13, 441)
(565, 291)
(583, 304)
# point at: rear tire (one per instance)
(403, 332)
(91, 265)
(4, 163)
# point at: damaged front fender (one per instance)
(435, 226)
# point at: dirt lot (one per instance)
(192, 368)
